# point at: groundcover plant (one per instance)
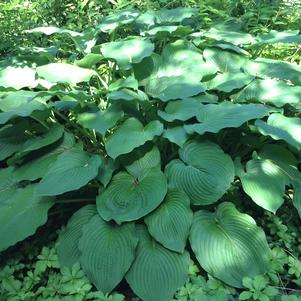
(150, 125)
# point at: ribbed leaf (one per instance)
(107, 252)
(72, 170)
(8, 184)
(229, 245)
(128, 198)
(274, 68)
(156, 273)
(214, 117)
(176, 74)
(264, 182)
(185, 109)
(280, 127)
(176, 135)
(39, 165)
(227, 82)
(225, 61)
(65, 73)
(268, 90)
(130, 135)
(17, 77)
(170, 223)
(21, 215)
(204, 174)
(67, 248)
(101, 121)
(127, 52)
(20, 103)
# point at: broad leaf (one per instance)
(8, 184)
(225, 61)
(269, 91)
(176, 74)
(274, 36)
(68, 240)
(170, 223)
(129, 198)
(280, 127)
(127, 52)
(21, 215)
(229, 245)
(72, 170)
(215, 117)
(157, 272)
(101, 121)
(176, 135)
(264, 182)
(107, 252)
(65, 73)
(39, 165)
(130, 135)
(204, 172)
(17, 77)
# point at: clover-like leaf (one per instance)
(204, 172)
(170, 223)
(130, 135)
(157, 272)
(228, 244)
(107, 252)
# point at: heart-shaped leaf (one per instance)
(204, 172)
(107, 252)
(229, 245)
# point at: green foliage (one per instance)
(160, 130)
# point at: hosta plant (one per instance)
(150, 126)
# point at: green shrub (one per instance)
(167, 135)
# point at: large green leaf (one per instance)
(129, 198)
(266, 68)
(170, 223)
(73, 169)
(225, 61)
(21, 215)
(116, 19)
(204, 172)
(127, 52)
(8, 184)
(35, 143)
(101, 121)
(12, 138)
(185, 109)
(271, 91)
(157, 272)
(234, 37)
(176, 135)
(17, 77)
(130, 135)
(280, 127)
(65, 73)
(214, 117)
(20, 103)
(229, 245)
(227, 82)
(176, 73)
(107, 252)
(274, 36)
(39, 165)
(264, 182)
(67, 248)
